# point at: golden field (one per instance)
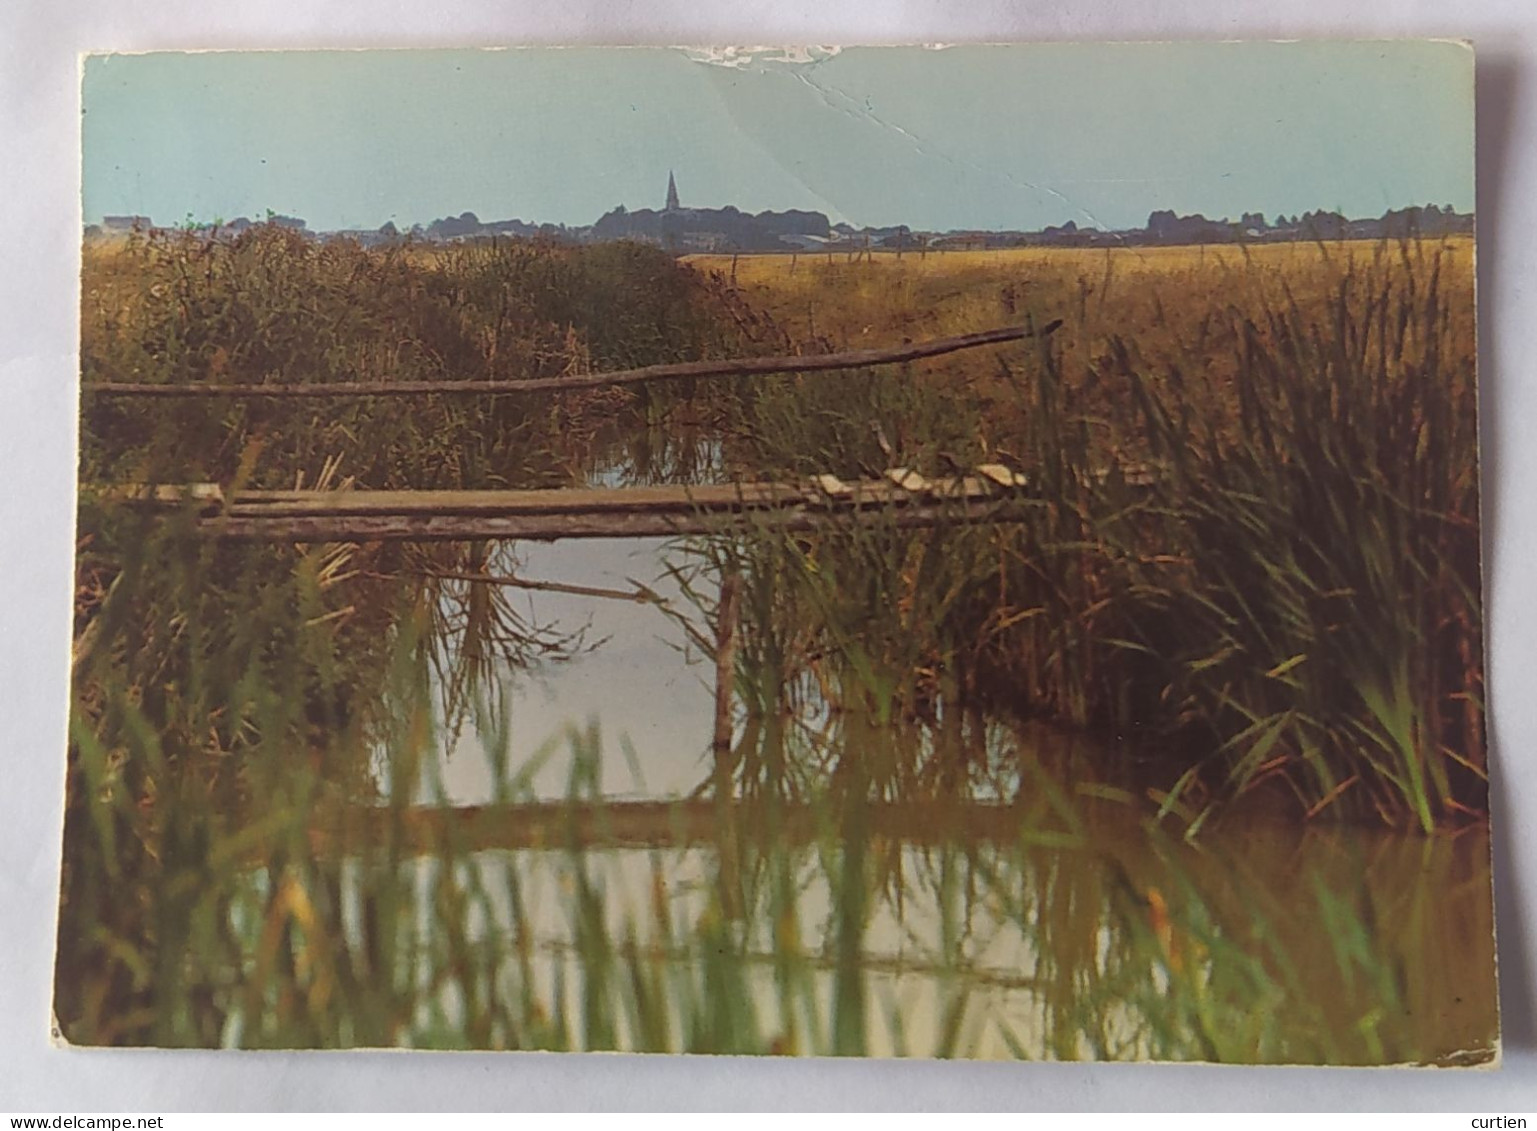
(864, 298)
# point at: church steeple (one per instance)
(672, 193)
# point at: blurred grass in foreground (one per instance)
(295, 910)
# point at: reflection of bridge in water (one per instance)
(678, 824)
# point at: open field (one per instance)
(872, 298)
(1128, 261)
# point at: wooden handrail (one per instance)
(736, 367)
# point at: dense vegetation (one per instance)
(1250, 569)
(273, 305)
(1256, 549)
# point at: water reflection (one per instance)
(642, 680)
(938, 882)
(1093, 936)
(644, 677)
(625, 456)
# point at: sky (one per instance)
(963, 137)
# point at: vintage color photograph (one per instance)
(965, 552)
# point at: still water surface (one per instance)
(1085, 930)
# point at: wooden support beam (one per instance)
(733, 367)
(901, 499)
(727, 838)
(535, 502)
(800, 518)
(726, 618)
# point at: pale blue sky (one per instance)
(994, 137)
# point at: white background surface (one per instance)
(38, 263)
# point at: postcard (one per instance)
(937, 552)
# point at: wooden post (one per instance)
(727, 846)
(727, 617)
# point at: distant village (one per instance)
(686, 231)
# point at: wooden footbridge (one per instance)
(991, 493)
(900, 498)
(896, 498)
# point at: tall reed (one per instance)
(1253, 556)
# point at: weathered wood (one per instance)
(902, 499)
(727, 833)
(725, 663)
(550, 501)
(581, 501)
(799, 518)
(210, 496)
(732, 367)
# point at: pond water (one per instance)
(1034, 908)
(1090, 936)
(1039, 912)
(969, 947)
(642, 681)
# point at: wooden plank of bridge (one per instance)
(902, 499)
